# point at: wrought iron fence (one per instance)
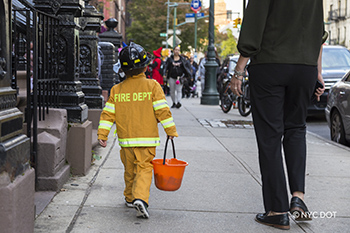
(35, 49)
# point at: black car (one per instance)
(335, 64)
(338, 111)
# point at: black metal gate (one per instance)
(35, 49)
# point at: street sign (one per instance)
(170, 41)
(190, 20)
(192, 15)
(162, 34)
(164, 43)
(177, 31)
(196, 5)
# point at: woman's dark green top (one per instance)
(282, 31)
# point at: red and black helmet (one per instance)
(133, 56)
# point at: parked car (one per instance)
(338, 111)
(335, 64)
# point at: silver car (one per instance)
(335, 64)
(338, 110)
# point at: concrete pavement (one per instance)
(220, 191)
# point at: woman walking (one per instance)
(283, 40)
(176, 69)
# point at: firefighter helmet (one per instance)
(133, 56)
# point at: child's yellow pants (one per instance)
(137, 172)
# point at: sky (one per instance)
(234, 5)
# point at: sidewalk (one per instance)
(221, 189)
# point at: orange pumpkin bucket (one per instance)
(168, 173)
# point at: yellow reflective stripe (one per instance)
(139, 142)
(160, 104)
(109, 108)
(105, 125)
(168, 123)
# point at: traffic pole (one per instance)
(167, 25)
(210, 95)
(174, 28)
(195, 33)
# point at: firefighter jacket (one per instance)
(136, 105)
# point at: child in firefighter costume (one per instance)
(136, 105)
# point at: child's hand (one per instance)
(170, 137)
(103, 143)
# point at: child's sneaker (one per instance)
(129, 204)
(141, 208)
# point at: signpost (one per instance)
(196, 5)
(173, 39)
(190, 17)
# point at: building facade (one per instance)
(337, 21)
(113, 9)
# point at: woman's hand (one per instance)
(319, 91)
(236, 83)
(236, 80)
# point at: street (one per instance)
(318, 125)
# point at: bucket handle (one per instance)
(166, 146)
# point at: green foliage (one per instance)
(219, 38)
(229, 46)
(149, 19)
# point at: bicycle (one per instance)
(243, 100)
(226, 95)
(227, 98)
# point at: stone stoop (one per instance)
(94, 117)
(17, 211)
(79, 148)
(52, 168)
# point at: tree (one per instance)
(229, 46)
(218, 40)
(149, 20)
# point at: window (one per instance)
(335, 58)
(229, 15)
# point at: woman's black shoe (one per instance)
(178, 105)
(280, 221)
(299, 210)
(174, 105)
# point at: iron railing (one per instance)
(35, 36)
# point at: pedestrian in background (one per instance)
(194, 70)
(201, 69)
(194, 67)
(186, 81)
(283, 39)
(156, 66)
(136, 105)
(148, 71)
(176, 69)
